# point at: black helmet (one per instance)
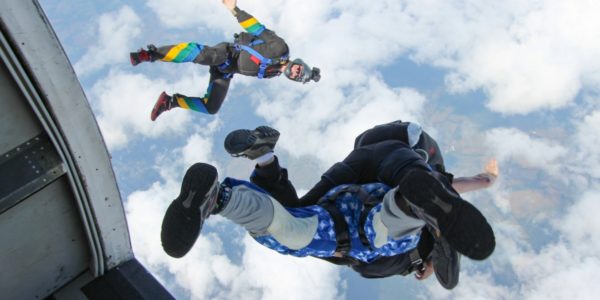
(307, 74)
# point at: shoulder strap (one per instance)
(263, 62)
(342, 234)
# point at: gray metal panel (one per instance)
(58, 93)
(19, 124)
(42, 244)
(27, 169)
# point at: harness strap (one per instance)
(341, 228)
(263, 61)
(256, 42)
(223, 66)
(342, 235)
(416, 262)
(368, 203)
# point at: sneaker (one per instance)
(140, 56)
(162, 104)
(251, 143)
(446, 263)
(186, 214)
(460, 223)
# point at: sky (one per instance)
(518, 81)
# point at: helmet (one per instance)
(307, 74)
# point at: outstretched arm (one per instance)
(231, 5)
(479, 181)
(246, 20)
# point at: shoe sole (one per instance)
(463, 225)
(181, 226)
(133, 59)
(238, 142)
(446, 263)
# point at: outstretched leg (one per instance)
(239, 201)
(183, 52)
(251, 143)
(458, 221)
(209, 104)
(395, 220)
(258, 145)
(198, 198)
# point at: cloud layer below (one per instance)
(528, 58)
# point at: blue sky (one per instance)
(514, 80)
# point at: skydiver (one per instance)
(383, 210)
(256, 52)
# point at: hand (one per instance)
(426, 272)
(492, 167)
(230, 4)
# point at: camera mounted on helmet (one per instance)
(298, 70)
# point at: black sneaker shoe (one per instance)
(186, 214)
(163, 103)
(251, 143)
(446, 263)
(460, 223)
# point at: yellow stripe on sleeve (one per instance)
(248, 22)
(173, 52)
(181, 102)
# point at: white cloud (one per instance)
(123, 103)
(580, 226)
(323, 121)
(192, 14)
(116, 31)
(197, 148)
(473, 286)
(513, 144)
(273, 276)
(526, 56)
(569, 267)
(206, 272)
(587, 140)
